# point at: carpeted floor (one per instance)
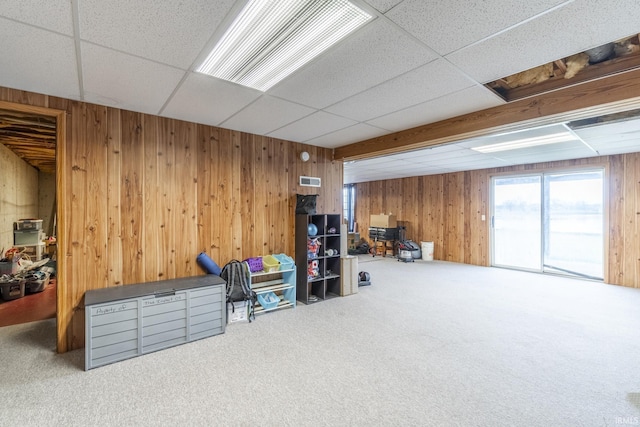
(427, 344)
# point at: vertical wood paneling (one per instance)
(166, 193)
(454, 217)
(278, 216)
(225, 204)
(631, 185)
(238, 209)
(152, 197)
(76, 275)
(185, 202)
(434, 212)
(616, 219)
(114, 169)
(132, 201)
(251, 184)
(96, 220)
(205, 165)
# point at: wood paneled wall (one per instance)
(447, 209)
(144, 195)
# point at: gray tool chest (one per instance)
(128, 321)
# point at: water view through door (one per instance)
(550, 222)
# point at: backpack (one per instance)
(236, 274)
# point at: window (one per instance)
(349, 204)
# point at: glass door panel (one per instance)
(517, 231)
(574, 224)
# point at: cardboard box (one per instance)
(352, 240)
(383, 221)
(348, 275)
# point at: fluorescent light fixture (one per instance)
(553, 138)
(270, 39)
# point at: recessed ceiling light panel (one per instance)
(270, 39)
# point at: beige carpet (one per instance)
(428, 344)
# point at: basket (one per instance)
(270, 263)
(255, 264)
(268, 300)
(286, 262)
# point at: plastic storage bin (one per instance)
(255, 264)
(29, 224)
(9, 267)
(27, 237)
(286, 262)
(12, 289)
(36, 282)
(270, 263)
(268, 300)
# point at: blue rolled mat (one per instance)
(208, 264)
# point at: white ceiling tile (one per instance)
(383, 5)
(455, 104)
(170, 32)
(198, 100)
(446, 26)
(618, 147)
(425, 83)
(313, 126)
(37, 60)
(363, 60)
(120, 80)
(54, 15)
(355, 133)
(265, 115)
(536, 42)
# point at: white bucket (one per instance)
(427, 251)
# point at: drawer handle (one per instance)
(167, 293)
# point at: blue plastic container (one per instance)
(268, 300)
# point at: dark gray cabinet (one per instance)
(318, 275)
(128, 321)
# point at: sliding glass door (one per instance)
(574, 223)
(550, 222)
(517, 232)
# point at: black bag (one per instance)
(236, 274)
(306, 204)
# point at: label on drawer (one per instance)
(113, 308)
(164, 299)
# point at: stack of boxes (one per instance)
(28, 234)
(383, 229)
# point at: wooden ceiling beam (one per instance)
(612, 94)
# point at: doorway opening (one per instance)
(29, 139)
(549, 222)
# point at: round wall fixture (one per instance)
(304, 156)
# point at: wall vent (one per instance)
(310, 181)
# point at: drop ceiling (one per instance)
(418, 62)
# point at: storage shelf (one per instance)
(273, 288)
(282, 304)
(283, 284)
(328, 265)
(266, 273)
